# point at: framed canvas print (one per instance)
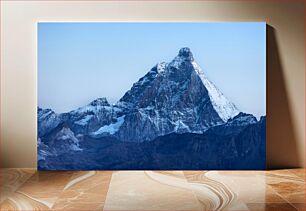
(158, 96)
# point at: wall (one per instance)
(285, 63)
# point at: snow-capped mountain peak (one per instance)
(184, 55)
(173, 97)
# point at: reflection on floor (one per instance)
(27, 189)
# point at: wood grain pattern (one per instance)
(85, 190)
(28, 189)
(11, 179)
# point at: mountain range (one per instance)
(173, 117)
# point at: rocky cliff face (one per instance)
(173, 97)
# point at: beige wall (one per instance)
(285, 64)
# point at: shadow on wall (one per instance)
(281, 140)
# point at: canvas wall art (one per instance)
(154, 96)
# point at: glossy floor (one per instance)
(27, 189)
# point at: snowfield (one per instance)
(110, 129)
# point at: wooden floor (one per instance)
(27, 189)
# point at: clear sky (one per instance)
(79, 62)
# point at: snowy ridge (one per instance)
(96, 106)
(242, 119)
(221, 104)
(91, 108)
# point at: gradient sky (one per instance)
(79, 62)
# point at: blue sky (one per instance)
(78, 62)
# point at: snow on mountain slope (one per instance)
(222, 105)
(85, 120)
(110, 129)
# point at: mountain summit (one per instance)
(186, 53)
(174, 97)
